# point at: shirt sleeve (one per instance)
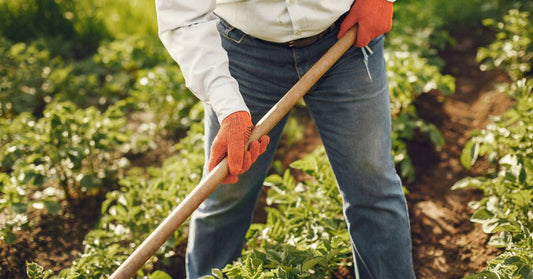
(188, 31)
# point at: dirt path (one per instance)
(445, 243)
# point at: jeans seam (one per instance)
(365, 266)
(296, 64)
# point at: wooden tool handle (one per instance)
(178, 216)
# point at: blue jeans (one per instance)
(352, 114)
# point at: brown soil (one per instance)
(53, 241)
(445, 243)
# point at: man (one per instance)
(261, 49)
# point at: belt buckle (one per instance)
(307, 41)
(291, 43)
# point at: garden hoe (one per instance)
(160, 235)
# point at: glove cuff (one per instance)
(241, 116)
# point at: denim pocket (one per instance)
(229, 32)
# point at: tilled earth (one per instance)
(445, 243)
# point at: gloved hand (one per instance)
(231, 140)
(374, 18)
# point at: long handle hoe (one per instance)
(150, 245)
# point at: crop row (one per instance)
(506, 144)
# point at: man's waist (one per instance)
(303, 42)
(285, 21)
(294, 43)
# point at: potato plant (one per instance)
(305, 235)
(506, 210)
(410, 76)
(66, 154)
(160, 95)
(110, 74)
(32, 77)
(24, 72)
(512, 51)
(132, 212)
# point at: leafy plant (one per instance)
(111, 74)
(24, 72)
(160, 96)
(413, 68)
(72, 147)
(117, 16)
(36, 18)
(132, 212)
(410, 76)
(512, 50)
(69, 149)
(36, 271)
(293, 132)
(416, 32)
(13, 207)
(305, 235)
(31, 77)
(506, 211)
(507, 145)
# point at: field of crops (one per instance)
(100, 140)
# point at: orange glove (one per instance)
(374, 18)
(231, 140)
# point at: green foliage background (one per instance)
(85, 86)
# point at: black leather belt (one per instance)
(303, 42)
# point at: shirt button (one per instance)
(298, 33)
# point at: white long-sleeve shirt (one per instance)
(188, 31)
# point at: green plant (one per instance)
(30, 77)
(130, 53)
(413, 68)
(507, 145)
(37, 18)
(416, 32)
(160, 95)
(405, 126)
(68, 27)
(132, 212)
(410, 76)
(69, 149)
(293, 132)
(427, 25)
(13, 207)
(508, 134)
(512, 50)
(305, 235)
(113, 74)
(24, 72)
(506, 211)
(117, 16)
(35, 271)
